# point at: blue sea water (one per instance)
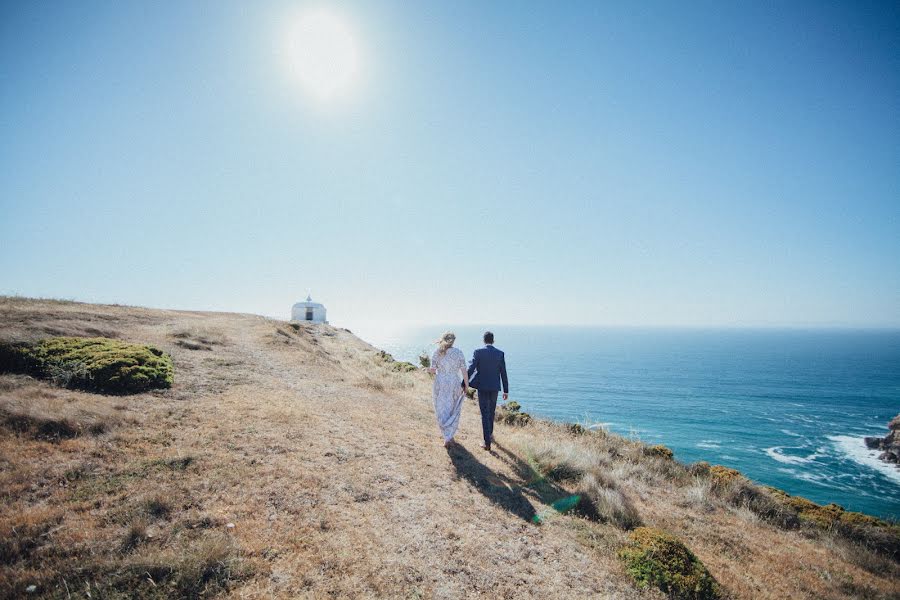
(788, 408)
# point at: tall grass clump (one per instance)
(606, 503)
(587, 469)
(93, 364)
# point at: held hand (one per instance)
(431, 370)
(505, 396)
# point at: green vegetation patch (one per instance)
(830, 514)
(659, 559)
(873, 533)
(575, 429)
(404, 367)
(660, 451)
(93, 364)
(394, 365)
(724, 476)
(510, 414)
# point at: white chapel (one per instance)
(308, 311)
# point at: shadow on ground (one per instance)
(536, 485)
(500, 490)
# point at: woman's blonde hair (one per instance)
(446, 342)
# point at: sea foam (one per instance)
(854, 448)
(709, 444)
(776, 453)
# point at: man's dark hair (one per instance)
(488, 337)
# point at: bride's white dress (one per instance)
(447, 392)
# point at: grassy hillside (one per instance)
(298, 461)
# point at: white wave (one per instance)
(790, 433)
(709, 444)
(814, 478)
(854, 448)
(806, 418)
(776, 453)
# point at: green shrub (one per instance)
(403, 367)
(425, 360)
(93, 364)
(510, 414)
(395, 365)
(873, 533)
(722, 477)
(656, 558)
(575, 428)
(660, 451)
(823, 516)
(382, 356)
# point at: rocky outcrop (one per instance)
(889, 444)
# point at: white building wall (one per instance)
(298, 312)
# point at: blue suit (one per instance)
(489, 366)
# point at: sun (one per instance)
(322, 54)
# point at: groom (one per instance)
(489, 367)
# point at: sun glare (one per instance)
(323, 54)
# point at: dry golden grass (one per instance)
(295, 462)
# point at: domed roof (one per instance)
(309, 303)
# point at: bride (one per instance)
(446, 364)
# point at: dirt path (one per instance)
(395, 507)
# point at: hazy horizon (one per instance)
(699, 165)
(384, 326)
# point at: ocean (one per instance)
(788, 408)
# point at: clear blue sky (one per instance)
(605, 163)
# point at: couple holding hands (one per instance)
(485, 373)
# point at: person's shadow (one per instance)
(500, 490)
(536, 485)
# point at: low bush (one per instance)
(722, 477)
(869, 532)
(659, 451)
(93, 364)
(510, 414)
(394, 365)
(823, 516)
(659, 559)
(575, 429)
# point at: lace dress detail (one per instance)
(447, 391)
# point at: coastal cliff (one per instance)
(289, 460)
(889, 444)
